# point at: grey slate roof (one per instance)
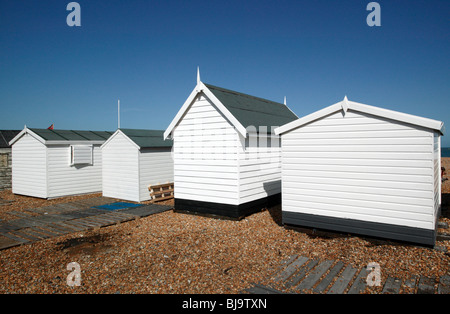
(251, 110)
(72, 135)
(6, 136)
(148, 138)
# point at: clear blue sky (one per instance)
(146, 53)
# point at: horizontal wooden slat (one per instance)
(352, 194)
(325, 186)
(359, 162)
(396, 148)
(360, 170)
(359, 134)
(289, 198)
(358, 178)
(299, 141)
(359, 155)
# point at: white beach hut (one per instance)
(55, 163)
(226, 156)
(361, 169)
(133, 160)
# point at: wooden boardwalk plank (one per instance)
(6, 226)
(325, 282)
(123, 217)
(344, 279)
(15, 238)
(444, 285)
(426, 285)
(290, 269)
(34, 233)
(20, 214)
(83, 222)
(284, 263)
(19, 233)
(260, 289)
(411, 284)
(59, 228)
(75, 224)
(315, 275)
(299, 275)
(7, 242)
(392, 285)
(359, 285)
(46, 232)
(95, 221)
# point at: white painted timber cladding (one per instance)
(437, 172)
(205, 156)
(155, 167)
(64, 179)
(121, 169)
(259, 167)
(360, 167)
(29, 167)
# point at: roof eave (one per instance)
(307, 119)
(75, 142)
(376, 111)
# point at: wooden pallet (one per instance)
(161, 192)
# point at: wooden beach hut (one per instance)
(226, 156)
(55, 163)
(133, 160)
(361, 169)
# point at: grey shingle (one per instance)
(147, 138)
(253, 111)
(72, 135)
(6, 136)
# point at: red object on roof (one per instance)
(50, 127)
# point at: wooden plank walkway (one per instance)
(57, 220)
(299, 274)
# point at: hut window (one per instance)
(81, 155)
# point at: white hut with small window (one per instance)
(133, 160)
(361, 169)
(226, 156)
(55, 163)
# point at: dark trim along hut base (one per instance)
(235, 212)
(387, 231)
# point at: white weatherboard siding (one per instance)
(155, 167)
(259, 167)
(64, 179)
(360, 167)
(29, 167)
(437, 172)
(121, 169)
(205, 156)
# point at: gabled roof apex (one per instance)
(240, 109)
(346, 105)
